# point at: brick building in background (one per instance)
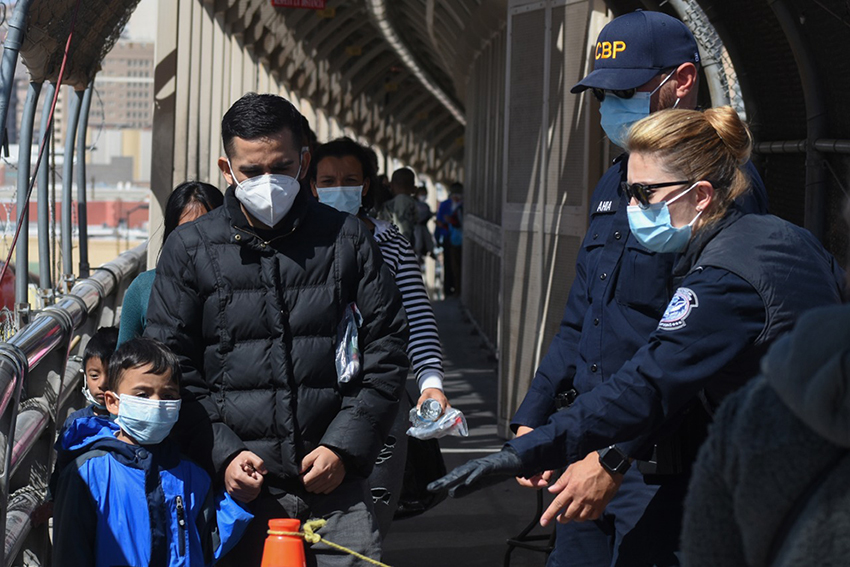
(120, 118)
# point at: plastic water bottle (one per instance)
(430, 410)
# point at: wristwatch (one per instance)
(614, 460)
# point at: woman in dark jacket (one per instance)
(741, 281)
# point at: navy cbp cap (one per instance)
(635, 47)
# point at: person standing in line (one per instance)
(250, 297)
(401, 209)
(188, 201)
(423, 243)
(127, 496)
(341, 178)
(449, 234)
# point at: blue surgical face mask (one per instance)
(345, 199)
(652, 227)
(146, 421)
(619, 114)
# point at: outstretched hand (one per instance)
(479, 473)
(583, 492)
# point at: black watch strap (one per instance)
(614, 460)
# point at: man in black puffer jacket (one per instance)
(250, 297)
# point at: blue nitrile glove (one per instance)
(479, 473)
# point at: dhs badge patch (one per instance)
(684, 301)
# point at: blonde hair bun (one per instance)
(732, 130)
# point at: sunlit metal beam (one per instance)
(378, 10)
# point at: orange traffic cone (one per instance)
(283, 550)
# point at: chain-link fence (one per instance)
(99, 24)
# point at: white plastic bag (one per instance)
(347, 345)
(451, 422)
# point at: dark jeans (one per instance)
(388, 475)
(451, 268)
(639, 528)
(348, 511)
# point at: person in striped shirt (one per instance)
(340, 176)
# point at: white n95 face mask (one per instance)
(267, 197)
(345, 199)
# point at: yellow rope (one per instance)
(312, 537)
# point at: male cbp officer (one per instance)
(645, 61)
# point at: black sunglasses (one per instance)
(600, 93)
(641, 193)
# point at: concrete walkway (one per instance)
(471, 531)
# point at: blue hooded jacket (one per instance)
(121, 504)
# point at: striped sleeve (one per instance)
(424, 349)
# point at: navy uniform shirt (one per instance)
(620, 292)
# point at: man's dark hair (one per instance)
(187, 194)
(101, 345)
(404, 177)
(340, 148)
(309, 138)
(142, 351)
(256, 116)
(456, 188)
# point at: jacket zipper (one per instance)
(265, 243)
(181, 525)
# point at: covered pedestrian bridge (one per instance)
(469, 90)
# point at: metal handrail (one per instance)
(23, 423)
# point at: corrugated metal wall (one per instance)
(485, 133)
(533, 191)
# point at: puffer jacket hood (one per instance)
(79, 436)
(87, 433)
(810, 371)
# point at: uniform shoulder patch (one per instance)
(684, 301)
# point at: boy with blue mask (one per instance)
(126, 473)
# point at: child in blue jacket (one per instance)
(127, 497)
(100, 347)
(95, 362)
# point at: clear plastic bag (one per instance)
(451, 422)
(347, 345)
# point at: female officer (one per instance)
(341, 178)
(741, 281)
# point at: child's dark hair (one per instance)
(101, 345)
(142, 351)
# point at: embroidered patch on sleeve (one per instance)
(684, 301)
